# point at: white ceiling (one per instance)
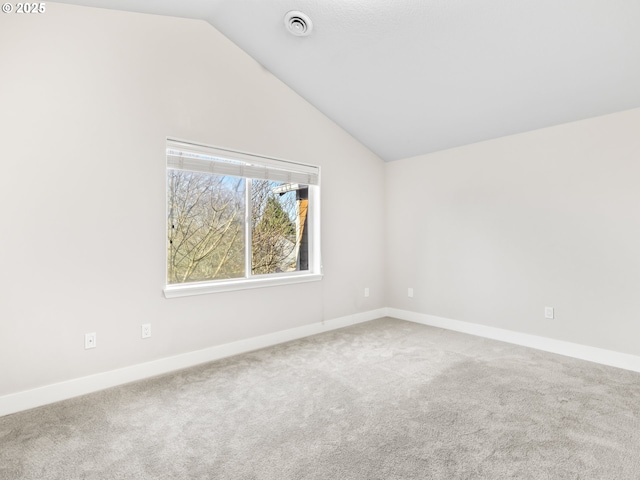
(416, 76)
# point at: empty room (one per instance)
(278, 239)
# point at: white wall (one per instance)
(87, 99)
(492, 233)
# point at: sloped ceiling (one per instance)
(416, 76)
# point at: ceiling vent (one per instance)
(298, 23)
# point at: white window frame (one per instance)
(255, 165)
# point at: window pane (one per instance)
(205, 226)
(278, 227)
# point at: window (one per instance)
(236, 220)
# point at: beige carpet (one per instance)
(383, 400)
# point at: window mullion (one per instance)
(247, 228)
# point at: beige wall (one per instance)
(492, 233)
(87, 99)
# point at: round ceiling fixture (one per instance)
(298, 23)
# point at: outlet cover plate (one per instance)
(90, 340)
(146, 330)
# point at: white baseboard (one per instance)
(80, 386)
(568, 349)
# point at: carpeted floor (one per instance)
(382, 400)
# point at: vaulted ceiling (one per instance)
(409, 77)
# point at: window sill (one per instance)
(202, 288)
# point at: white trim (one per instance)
(80, 386)
(313, 225)
(249, 281)
(201, 288)
(561, 347)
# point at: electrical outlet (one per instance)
(410, 292)
(548, 312)
(146, 330)
(366, 292)
(90, 340)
